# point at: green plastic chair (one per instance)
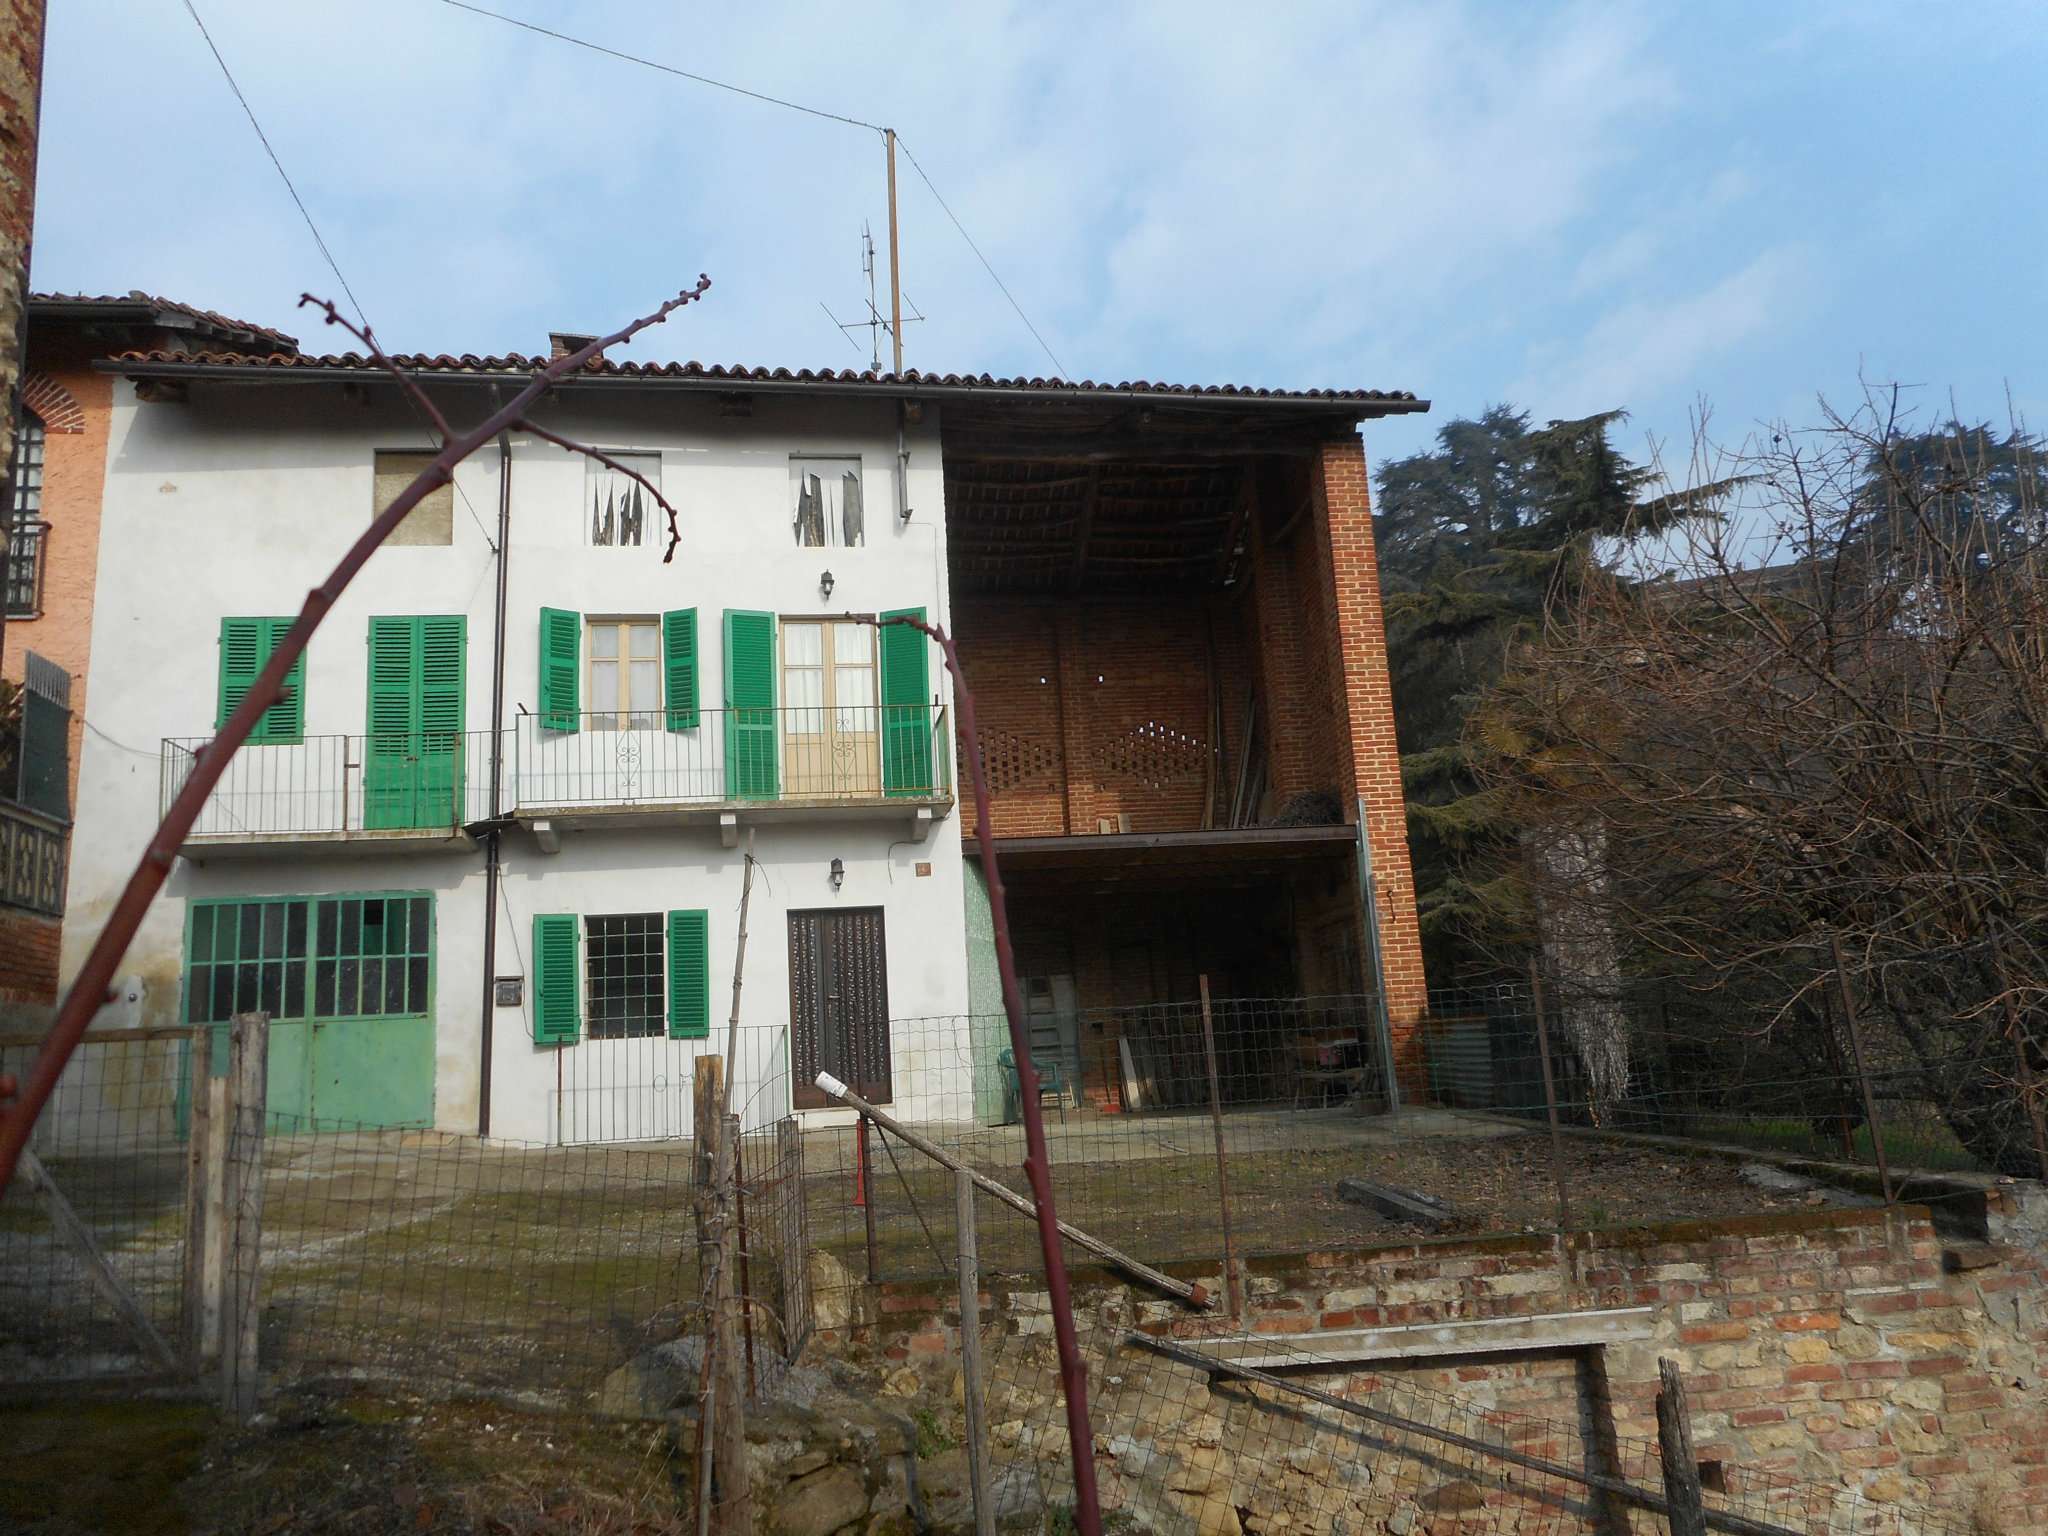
(1050, 1079)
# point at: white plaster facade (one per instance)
(234, 501)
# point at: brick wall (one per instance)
(1091, 710)
(28, 957)
(1851, 1349)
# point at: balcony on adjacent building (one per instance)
(724, 767)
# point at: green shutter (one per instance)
(442, 643)
(749, 705)
(390, 744)
(906, 707)
(245, 645)
(689, 975)
(561, 636)
(679, 667)
(555, 1017)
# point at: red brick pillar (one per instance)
(1076, 686)
(1373, 765)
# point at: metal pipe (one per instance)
(488, 1027)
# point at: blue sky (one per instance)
(1568, 208)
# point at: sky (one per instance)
(1565, 208)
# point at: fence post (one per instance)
(970, 1355)
(739, 1195)
(1222, 1159)
(735, 1510)
(1688, 1513)
(1564, 1192)
(198, 1237)
(1884, 1172)
(242, 1213)
(793, 1249)
(863, 1168)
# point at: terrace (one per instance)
(428, 791)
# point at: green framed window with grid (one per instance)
(347, 980)
(621, 976)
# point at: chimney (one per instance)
(562, 343)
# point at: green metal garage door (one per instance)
(348, 983)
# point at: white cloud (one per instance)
(1646, 348)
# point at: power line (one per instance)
(667, 69)
(326, 254)
(264, 139)
(793, 106)
(1059, 367)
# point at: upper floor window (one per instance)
(625, 672)
(25, 525)
(432, 519)
(826, 500)
(619, 508)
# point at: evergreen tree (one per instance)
(1474, 537)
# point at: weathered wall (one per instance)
(1849, 1348)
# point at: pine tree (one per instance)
(1474, 537)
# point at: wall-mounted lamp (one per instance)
(838, 873)
(825, 585)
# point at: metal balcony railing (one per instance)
(327, 786)
(336, 785)
(838, 754)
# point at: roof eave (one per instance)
(903, 389)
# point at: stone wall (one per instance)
(1846, 1350)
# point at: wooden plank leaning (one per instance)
(1193, 1295)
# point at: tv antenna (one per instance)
(877, 325)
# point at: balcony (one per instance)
(726, 766)
(718, 767)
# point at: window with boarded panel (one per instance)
(560, 669)
(689, 975)
(557, 1019)
(245, 646)
(432, 519)
(750, 729)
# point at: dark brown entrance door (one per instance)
(839, 1003)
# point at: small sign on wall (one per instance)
(508, 991)
(924, 869)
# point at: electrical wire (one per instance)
(987, 266)
(314, 229)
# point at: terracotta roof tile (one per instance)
(519, 363)
(227, 324)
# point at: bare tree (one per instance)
(1830, 722)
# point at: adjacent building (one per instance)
(483, 865)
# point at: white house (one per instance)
(484, 867)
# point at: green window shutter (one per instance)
(749, 705)
(561, 639)
(442, 646)
(689, 975)
(556, 1019)
(906, 707)
(679, 667)
(245, 645)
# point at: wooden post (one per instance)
(198, 1130)
(1222, 1161)
(970, 1356)
(793, 1258)
(1884, 1172)
(213, 1258)
(1564, 1193)
(248, 1065)
(739, 1208)
(867, 1200)
(1688, 1511)
(734, 1512)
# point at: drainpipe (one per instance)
(1368, 893)
(483, 1096)
(902, 464)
